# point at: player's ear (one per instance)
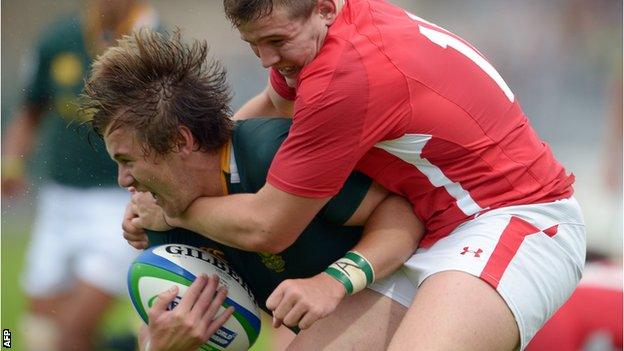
(186, 141)
(328, 11)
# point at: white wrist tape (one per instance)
(353, 271)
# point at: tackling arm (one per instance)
(391, 235)
(267, 221)
(267, 103)
(391, 230)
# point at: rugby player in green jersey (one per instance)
(162, 109)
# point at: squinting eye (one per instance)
(277, 42)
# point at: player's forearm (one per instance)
(17, 146)
(266, 104)
(391, 235)
(259, 106)
(268, 221)
(231, 220)
(21, 132)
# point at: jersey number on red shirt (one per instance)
(445, 40)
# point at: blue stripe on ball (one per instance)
(149, 257)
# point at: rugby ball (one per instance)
(160, 267)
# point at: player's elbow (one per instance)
(265, 242)
(274, 246)
(269, 238)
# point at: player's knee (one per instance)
(40, 333)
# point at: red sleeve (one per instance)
(326, 138)
(278, 82)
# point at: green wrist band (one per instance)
(364, 265)
(353, 271)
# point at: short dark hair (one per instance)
(245, 11)
(154, 83)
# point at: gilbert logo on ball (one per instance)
(160, 267)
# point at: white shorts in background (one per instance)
(533, 255)
(77, 235)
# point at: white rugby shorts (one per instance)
(397, 287)
(77, 235)
(533, 255)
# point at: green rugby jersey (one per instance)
(254, 143)
(73, 154)
(62, 63)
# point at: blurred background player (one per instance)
(77, 258)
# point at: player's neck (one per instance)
(206, 168)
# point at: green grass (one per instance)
(12, 306)
(120, 319)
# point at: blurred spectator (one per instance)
(77, 258)
(591, 320)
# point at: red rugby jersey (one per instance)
(419, 110)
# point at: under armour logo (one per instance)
(476, 253)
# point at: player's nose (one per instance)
(124, 177)
(268, 56)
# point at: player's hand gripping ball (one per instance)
(159, 268)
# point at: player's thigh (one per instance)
(81, 317)
(363, 321)
(281, 337)
(454, 310)
(85, 308)
(47, 305)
